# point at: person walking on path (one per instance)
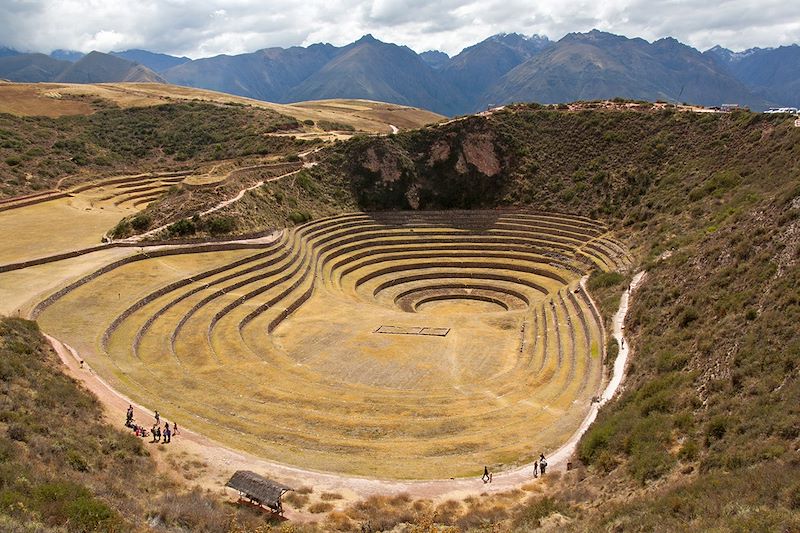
(158, 418)
(174, 428)
(486, 477)
(542, 464)
(536, 469)
(167, 433)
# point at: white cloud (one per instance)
(200, 28)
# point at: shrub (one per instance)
(221, 225)
(649, 460)
(17, 432)
(320, 507)
(532, 513)
(687, 317)
(296, 500)
(77, 461)
(89, 514)
(182, 228)
(140, 222)
(298, 217)
(122, 229)
(669, 362)
(717, 427)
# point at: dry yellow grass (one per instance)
(24, 100)
(55, 227)
(513, 375)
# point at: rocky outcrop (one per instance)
(437, 168)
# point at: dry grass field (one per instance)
(59, 99)
(55, 227)
(402, 345)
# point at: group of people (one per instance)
(539, 467)
(156, 432)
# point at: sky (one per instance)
(202, 28)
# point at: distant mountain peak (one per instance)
(730, 56)
(435, 58)
(66, 55)
(368, 38)
(595, 35)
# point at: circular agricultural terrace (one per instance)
(398, 345)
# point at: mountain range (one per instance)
(503, 68)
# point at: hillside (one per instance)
(325, 119)
(478, 67)
(40, 153)
(153, 61)
(769, 72)
(599, 65)
(374, 70)
(99, 68)
(501, 69)
(712, 204)
(94, 67)
(704, 435)
(32, 68)
(62, 459)
(266, 75)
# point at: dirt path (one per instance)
(221, 205)
(222, 461)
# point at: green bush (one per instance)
(141, 222)
(669, 362)
(298, 217)
(182, 228)
(221, 225)
(603, 280)
(648, 461)
(89, 514)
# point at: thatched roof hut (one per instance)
(258, 489)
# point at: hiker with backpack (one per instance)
(542, 463)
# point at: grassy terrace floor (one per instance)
(274, 350)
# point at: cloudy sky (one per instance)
(200, 28)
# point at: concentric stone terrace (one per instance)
(402, 344)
